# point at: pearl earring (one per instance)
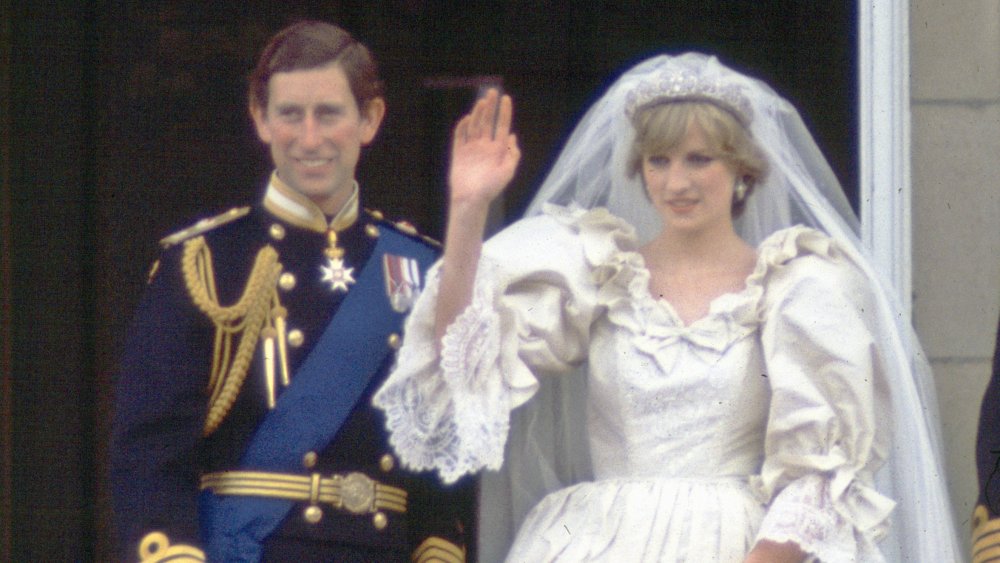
(741, 190)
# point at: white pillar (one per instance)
(884, 143)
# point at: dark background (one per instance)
(121, 121)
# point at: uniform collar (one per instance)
(297, 210)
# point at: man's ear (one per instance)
(259, 115)
(371, 119)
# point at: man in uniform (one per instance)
(986, 517)
(243, 428)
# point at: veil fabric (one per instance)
(547, 448)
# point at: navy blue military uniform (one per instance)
(986, 519)
(160, 449)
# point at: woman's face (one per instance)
(689, 185)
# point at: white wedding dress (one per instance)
(760, 420)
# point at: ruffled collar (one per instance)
(622, 279)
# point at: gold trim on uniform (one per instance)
(309, 460)
(298, 210)
(985, 536)
(155, 547)
(387, 463)
(152, 272)
(404, 227)
(287, 281)
(203, 226)
(353, 492)
(268, 336)
(254, 316)
(312, 514)
(438, 549)
(279, 314)
(332, 250)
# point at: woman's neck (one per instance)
(690, 272)
(721, 246)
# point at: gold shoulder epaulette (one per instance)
(203, 226)
(404, 227)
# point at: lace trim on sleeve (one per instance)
(805, 513)
(451, 412)
(454, 418)
(470, 353)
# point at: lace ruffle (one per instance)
(623, 281)
(805, 513)
(422, 429)
(449, 413)
(470, 351)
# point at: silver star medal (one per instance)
(334, 272)
(338, 276)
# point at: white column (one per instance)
(884, 143)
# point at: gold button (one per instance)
(371, 231)
(380, 521)
(387, 463)
(377, 214)
(313, 514)
(287, 281)
(296, 338)
(277, 232)
(309, 460)
(395, 341)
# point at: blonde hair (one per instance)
(661, 126)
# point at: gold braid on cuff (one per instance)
(155, 548)
(438, 550)
(985, 536)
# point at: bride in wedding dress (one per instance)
(680, 354)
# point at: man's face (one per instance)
(315, 130)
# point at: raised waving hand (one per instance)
(484, 153)
(484, 157)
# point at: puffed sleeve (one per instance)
(825, 434)
(533, 303)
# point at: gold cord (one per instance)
(246, 319)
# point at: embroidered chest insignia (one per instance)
(402, 281)
(337, 275)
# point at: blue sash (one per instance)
(309, 413)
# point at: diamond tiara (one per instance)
(690, 86)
